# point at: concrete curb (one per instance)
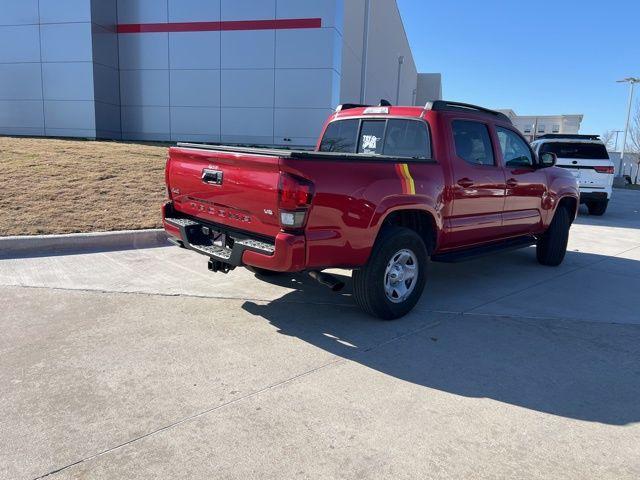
(42, 245)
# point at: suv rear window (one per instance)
(586, 151)
(393, 137)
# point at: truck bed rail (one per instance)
(305, 154)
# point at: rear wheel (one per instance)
(552, 246)
(598, 208)
(391, 283)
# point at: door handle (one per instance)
(512, 182)
(465, 182)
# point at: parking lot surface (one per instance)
(142, 364)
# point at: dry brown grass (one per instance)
(65, 186)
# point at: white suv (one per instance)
(587, 158)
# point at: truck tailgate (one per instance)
(238, 190)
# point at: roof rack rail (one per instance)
(574, 136)
(440, 105)
(348, 106)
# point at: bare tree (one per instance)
(608, 139)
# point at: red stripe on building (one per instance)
(281, 24)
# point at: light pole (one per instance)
(631, 81)
(615, 147)
(400, 62)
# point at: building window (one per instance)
(527, 129)
(540, 128)
(556, 128)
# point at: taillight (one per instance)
(294, 200)
(607, 169)
(166, 177)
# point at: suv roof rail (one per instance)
(445, 105)
(348, 106)
(574, 136)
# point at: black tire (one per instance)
(598, 208)
(263, 272)
(552, 246)
(369, 281)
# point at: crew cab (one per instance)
(386, 189)
(586, 157)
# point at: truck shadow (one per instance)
(576, 369)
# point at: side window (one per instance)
(340, 136)
(370, 141)
(407, 138)
(515, 151)
(473, 143)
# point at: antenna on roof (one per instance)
(384, 103)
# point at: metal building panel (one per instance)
(309, 48)
(67, 114)
(67, 42)
(194, 10)
(21, 114)
(107, 120)
(55, 11)
(20, 81)
(142, 11)
(144, 87)
(19, 12)
(299, 123)
(104, 13)
(147, 51)
(152, 120)
(195, 88)
(105, 46)
(67, 81)
(248, 49)
(106, 84)
(247, 88)
(234, 10)
(247, 122)
(193, 50)
(19, 44)
(293, 87)
(330, 11)
(195, 120)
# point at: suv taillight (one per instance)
(294, 200)
(608, 169)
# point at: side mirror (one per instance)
(548, 159)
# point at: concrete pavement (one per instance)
(141, 364)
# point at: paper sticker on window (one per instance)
(369, 142)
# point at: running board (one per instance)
(482, 250)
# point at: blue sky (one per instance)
(540, 57)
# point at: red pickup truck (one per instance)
(386, 189)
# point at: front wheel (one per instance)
(552, 246)
(391, 283)
(597, 208)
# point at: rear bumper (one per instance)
(593, 196)
(285, 253)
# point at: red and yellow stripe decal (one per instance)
(408, 185)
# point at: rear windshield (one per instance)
(586, 151)
(394, 137)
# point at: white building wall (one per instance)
(386, 41)
(241, 86)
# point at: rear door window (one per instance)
(340, 136)
(472, 142)
(575, 150)
(407, 138)
(371, 133)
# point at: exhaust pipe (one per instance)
(328, 280)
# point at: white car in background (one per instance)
(587, 159)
